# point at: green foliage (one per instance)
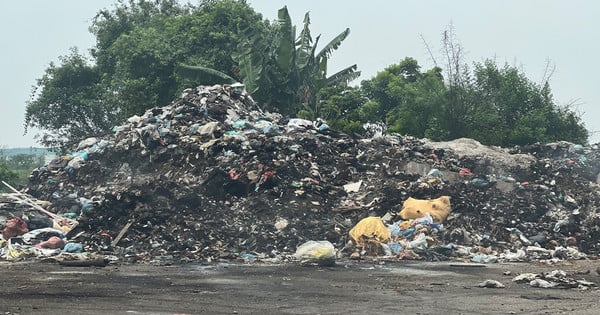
(140, 59)
(518, 110)
(342, 106)
(144, 49)
(24, 161)
(142, 45)
(405, 99)
(496, 106)
(204, 75)
(66, 103)
(7, 175)
(139, 47)
(15, 169)
(284, 72)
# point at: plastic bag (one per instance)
(321, 253)
(371, 228)
(420, 242)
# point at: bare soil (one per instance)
(350, 287)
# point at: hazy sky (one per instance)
(523, 33)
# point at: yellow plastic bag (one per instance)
(372, 228)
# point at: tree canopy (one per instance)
(139, 45)
(15, 169)
(7, 175)
(494, 105)
(147, 52)
(284, 71)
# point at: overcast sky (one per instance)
(523, 33)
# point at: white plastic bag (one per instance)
(321, 253)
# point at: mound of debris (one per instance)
(211, 176)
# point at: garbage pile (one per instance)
(211, 176)
(30, 231)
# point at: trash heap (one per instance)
(30, 231)
(211, 176)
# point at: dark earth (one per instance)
(349, 287)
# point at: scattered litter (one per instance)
(491, 284)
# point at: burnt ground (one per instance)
(350, 287)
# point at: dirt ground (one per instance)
(350, 287)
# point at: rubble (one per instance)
(212, 177)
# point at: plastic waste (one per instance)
(39, 235)
(87, 143)
(298, 123)
(70, 215)
(491, 284)
(353, 187)
(479, 182)
(465, 172)
(434, 172)
(525, 277)
(541, 283)
(484, 259)
(559, 224)
(519, 255)
(54, 242)
(427, 219)
(387, 250)
(407, 233)
(394, 230)
(577, 148)
(321, 253)
(271, 129)
(240, 124)
(396, 248)
(420, 242)
(371, 228)
(248, 257)
(14, 227)
(82, 154)
(323, 127)
(73, 248)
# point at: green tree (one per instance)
(66, 103)
(406, 100)
(139, 45)
(518, 110)
(341, 107)
(17, 168)
(25, 162)
(284, 71)
(497, 106)
(7, 175)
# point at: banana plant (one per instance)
(284, 72)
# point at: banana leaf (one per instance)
(203, 75)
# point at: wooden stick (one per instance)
(62, 221)
(123, 231)
(31, 202)
(98, 262)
